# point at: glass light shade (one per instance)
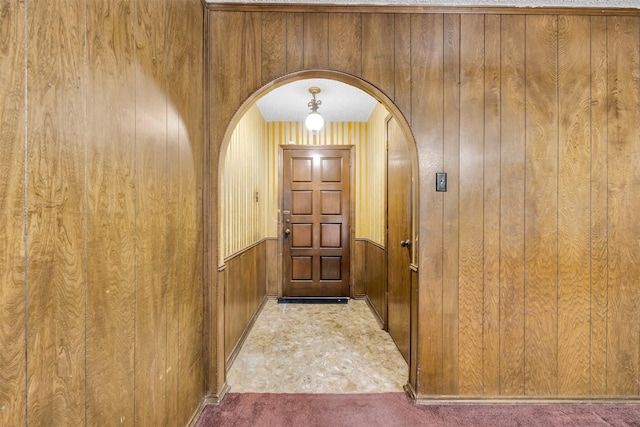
(314, 122)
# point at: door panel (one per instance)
(398, 230)
(316, 214)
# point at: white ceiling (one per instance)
(340, 102)
(508, 3)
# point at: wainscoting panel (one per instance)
(245, 290)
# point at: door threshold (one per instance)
(313, 300)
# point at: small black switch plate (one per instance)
(441, 182)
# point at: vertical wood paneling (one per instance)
(316, 40)
(295, 42)
(541, 226)
(97, 126)
(378, 45)
(55, 216)
(274, 45)
(345, 31)
(12, 248)
(501, 106)
(190, 76)
(227, 59)
(452, 202)
(512, 205)
(253, 52)
(624, 186)
(110, 212)
(244, 279)
(491, 204)
(402, 64)
(150, 214)
(427, 117)
(574, 173)
(471, 218)
(599, 172)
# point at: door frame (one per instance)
(352, 183)
(214, 289)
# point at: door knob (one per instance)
(405, 243)
(287, 231)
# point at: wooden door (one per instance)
(398, 237)
(316, 221)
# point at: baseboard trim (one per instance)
(520, 400)
(375, 312)
(245, 333)
(207, 400)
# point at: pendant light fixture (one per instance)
(314, 121)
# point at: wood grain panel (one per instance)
(471, 218)
(491, 204)
(402, 64)
(55, 217)
(150, 214)
(274, 46)
(295, 42)
(428, 118)
(358, 268)
(12, 217)
(398, 230)
(345, 31)
(191, 137)
(245, 291)
(574, 217)
(376, 279)
(110, 213)
(252, 52)
(451, 220)
(226, 58)
(271, 251)
(599, 172)
(316, 40)
(624, 228)
(541, 227)
(512, 205)
(378, 45)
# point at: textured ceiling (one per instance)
(340, 102)
(508, 3)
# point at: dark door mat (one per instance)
(311, 300)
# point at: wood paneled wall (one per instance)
(244, 177)
(528, 265)
(101, 130)
(245, 291)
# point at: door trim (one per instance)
(352, 234)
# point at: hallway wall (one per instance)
(101, 130)
(528, 265)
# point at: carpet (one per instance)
(397, 409)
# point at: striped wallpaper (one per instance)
(251, 164)
(242, 221)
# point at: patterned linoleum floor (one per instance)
(317, 348)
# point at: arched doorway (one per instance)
(224, 312)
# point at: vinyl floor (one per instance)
(317, 348)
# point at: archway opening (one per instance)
(251, 223)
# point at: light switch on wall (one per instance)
(441, 182)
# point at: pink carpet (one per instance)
(396, 409)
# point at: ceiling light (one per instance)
(314, 121)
